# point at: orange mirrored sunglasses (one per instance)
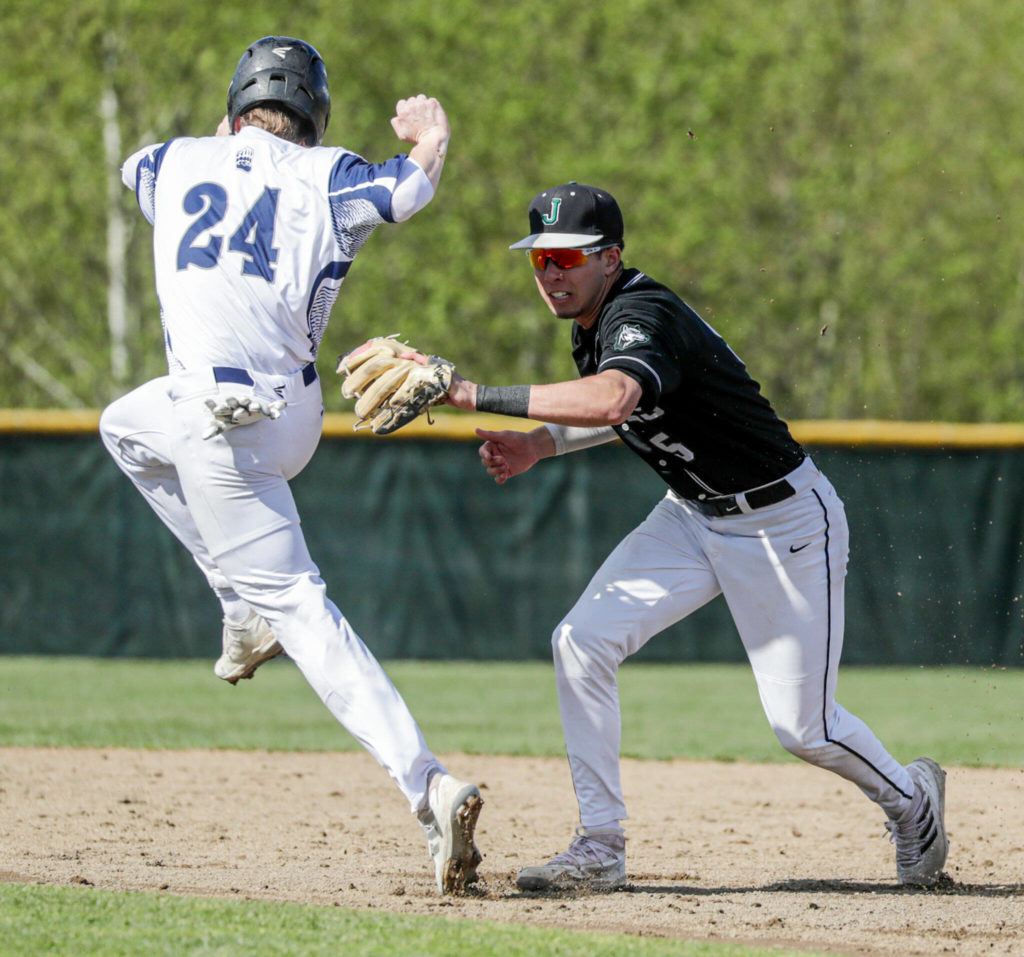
(563, 258)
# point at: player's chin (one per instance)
(566, 313)
(564, 307)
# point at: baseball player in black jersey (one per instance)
(747, 515)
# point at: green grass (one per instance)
(965, 716)
(962, 716)
(45, 921)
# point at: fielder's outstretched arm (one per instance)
(605, 399)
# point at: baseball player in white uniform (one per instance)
(253, 234)
(747, 515)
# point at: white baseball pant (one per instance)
(227, 500)
(781, 570)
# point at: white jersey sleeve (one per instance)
(412, 192)
(253, 237)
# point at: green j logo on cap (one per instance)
(552, 217)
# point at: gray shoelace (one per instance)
(585, 850)
(914, 836)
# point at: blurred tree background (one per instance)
(836, 186)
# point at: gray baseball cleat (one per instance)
(246, 647)
(449, 821)
(595, 859)
(920, 834)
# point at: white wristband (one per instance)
(572, 438)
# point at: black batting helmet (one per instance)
(282, 70)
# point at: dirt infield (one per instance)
(782, 855)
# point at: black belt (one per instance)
(241, 377)
(756, 498)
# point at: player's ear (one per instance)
(612, 259)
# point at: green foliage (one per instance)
(55, 921)
(961, 716)
(836, 186)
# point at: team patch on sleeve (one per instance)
(630, 335)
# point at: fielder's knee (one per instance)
(579, 652)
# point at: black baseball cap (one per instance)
(573, 216)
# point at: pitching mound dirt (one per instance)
(783, 855)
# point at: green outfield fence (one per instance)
(430, 559)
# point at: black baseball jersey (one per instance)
(702, 423)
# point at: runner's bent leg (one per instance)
(135, 430)
(240, 501)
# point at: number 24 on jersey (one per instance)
(254, 237)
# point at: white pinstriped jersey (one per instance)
(253, 237)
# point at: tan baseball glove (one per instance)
(390, 391)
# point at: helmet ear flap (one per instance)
(285, 71)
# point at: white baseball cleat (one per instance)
(920, 834)
(595, 859)
(449, 822)
(246, 647)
